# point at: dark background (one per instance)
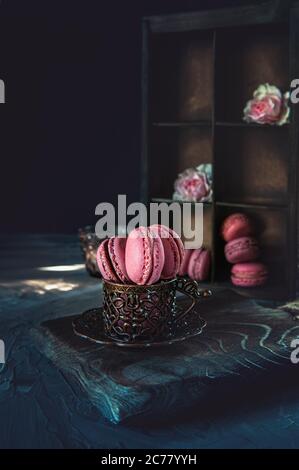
(70, 127)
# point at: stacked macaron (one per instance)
(242, 250)
(147, 255)
(196, 264)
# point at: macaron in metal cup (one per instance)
(134, 313)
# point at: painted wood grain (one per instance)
(243, 343)
(44, 406)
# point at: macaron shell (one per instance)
(241, 250)
(179, 244)
(249, 270)
(158, 256)
(235, 226)
(104, 262)
(171, 253)
(176, 238)
(184, 265)
(248, 282)
(199, 265)
(116, 249)
(138, 256)
(249, 274)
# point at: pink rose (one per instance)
(192, 185)
(268, 106)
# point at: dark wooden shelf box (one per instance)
(251, 165)
(199, 70)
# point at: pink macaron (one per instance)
(199, 264)
(144, 257)
(249, 274)
(178, 242)
(241, 250)
(235, 226)
(174, 235)
(139, 256)
(158, 256)
(116, 249)
(104, 262)
(173, 251)
(185, 263)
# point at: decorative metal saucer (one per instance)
(90, 325)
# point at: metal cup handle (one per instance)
(191, 289)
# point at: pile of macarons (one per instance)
(196, 264)
(146, 256)
(242, 250)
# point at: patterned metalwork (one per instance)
(90, 326)
(191, 288)
(138, 312)
(145, 313)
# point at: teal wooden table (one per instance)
(61, 392)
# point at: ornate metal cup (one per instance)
(145, 313)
